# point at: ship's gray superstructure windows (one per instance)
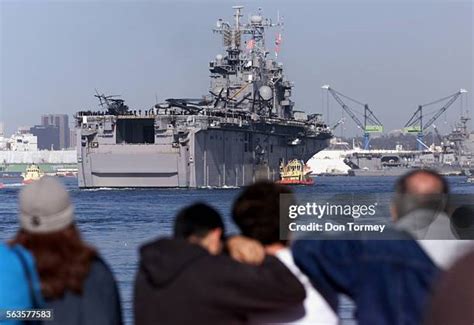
(136, 130)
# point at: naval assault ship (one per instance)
(242, 131)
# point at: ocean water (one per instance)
(118, 221)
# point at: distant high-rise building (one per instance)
(2, 130)
(48, 136)
(72, 138)
(62, 122)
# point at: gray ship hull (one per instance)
(220, 157)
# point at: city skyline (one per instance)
(392, 55)
(52, 132)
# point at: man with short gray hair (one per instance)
(389, 280)
(420, 208)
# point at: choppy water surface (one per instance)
(117, 222)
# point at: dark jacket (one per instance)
(453, 301)
(389, 280)
(181, 283)
(99, 303)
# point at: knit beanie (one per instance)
(45, 206)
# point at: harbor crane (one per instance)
(340, 122)
(371, 123)
(415, 123)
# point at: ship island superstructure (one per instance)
(242, 131)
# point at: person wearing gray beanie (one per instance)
(45, 207)
(75, 282)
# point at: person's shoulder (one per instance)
(401, 247)
(100, 281)
(222, 260)
(100, 270)
(9, 251)
(11, 255)
(16, 263)
(284, 255)
(5, 252)
(173, 246)
(464, 265)
(157, 243)
(232, 267)
(337, 248)
(222, 271)
(3, 247)
(8, 260)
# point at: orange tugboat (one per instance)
(295, 173)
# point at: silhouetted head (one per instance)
(419, 189)
(200, 224)
(257, 212)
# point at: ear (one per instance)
(214, 242)
(216, 235)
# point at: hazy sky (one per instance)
(393, 55)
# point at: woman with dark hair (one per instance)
(75, 282)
